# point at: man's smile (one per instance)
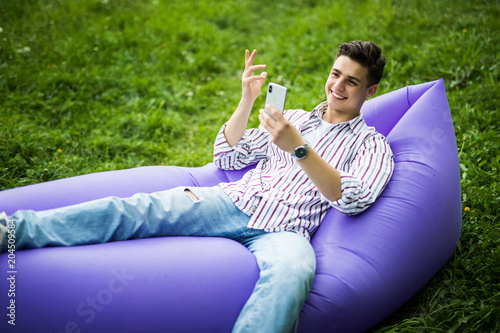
(337, 96)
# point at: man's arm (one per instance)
(251, 86)
(351, 192)
(325, 177)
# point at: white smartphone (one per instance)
(276, 96)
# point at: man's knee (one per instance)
(303, 267)
(299, 260)
(294, 274)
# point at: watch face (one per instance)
(300, 152)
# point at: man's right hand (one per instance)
(252, 84)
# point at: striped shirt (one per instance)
(279, 196)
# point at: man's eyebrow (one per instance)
(349, 76)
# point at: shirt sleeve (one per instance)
(369, 173)
(249, 150)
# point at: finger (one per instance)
(276, 114)
(247, 55)
(263, 120)
(252, 56)
(255, 68)
(251, 78)
(267, 117)
(249, 73)
(251, 59)
(270, 114)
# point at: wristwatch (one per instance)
(301, 152)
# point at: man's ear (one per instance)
(371, 91)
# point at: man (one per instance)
(307, 163)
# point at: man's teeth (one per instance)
(337, 96)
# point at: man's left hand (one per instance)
(282, 132)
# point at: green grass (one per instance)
(89, 85)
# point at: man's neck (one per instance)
(338, 117)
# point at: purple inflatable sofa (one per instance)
(368, 265)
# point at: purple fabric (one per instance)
(367, 265)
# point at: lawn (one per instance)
(94, 85)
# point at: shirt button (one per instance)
(254, 208)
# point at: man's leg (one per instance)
(287, 265)
(196, 212)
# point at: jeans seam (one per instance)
(245, 235)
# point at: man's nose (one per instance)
(339, 85)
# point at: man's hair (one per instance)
(368, 54)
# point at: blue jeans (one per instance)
(286, 260)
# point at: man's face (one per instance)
(346, 88)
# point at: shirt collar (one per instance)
(355, 124)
